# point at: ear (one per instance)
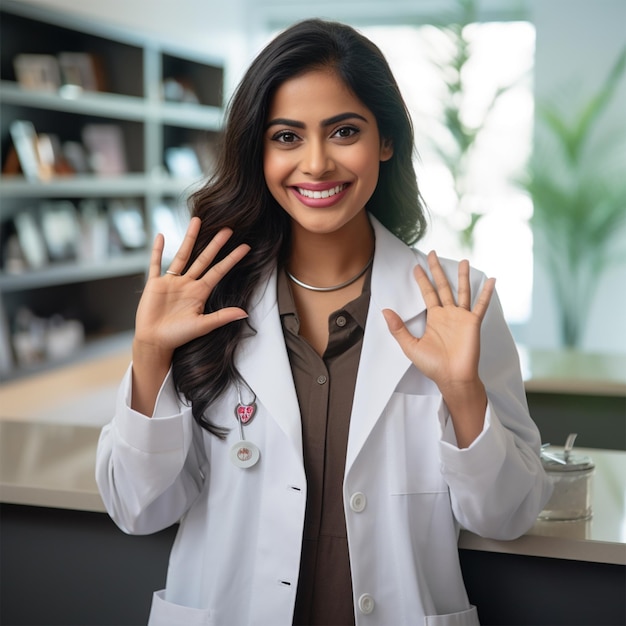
(386, 149)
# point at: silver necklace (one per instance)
(334, 287)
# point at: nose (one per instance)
(316, 159)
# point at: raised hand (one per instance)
(171, 309)
(448, 352)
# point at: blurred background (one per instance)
(521, 151)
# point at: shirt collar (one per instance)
(357, 308)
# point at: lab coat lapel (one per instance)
(263, 362)
(382, 362)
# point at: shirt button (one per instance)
(341, 321)
(321, 379)
(366, 604)
(358, 502)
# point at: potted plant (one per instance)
(576, 180)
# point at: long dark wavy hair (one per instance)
(236, 195)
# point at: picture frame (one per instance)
(129, 223)
(105, 147)
(37, 71)
(61, 229)
(81, 69)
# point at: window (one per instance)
(502, 53)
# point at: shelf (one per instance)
(93, 186)
(114, 106)
(73, 272)
(82, 102)
(96, 348)
(133, 73)
(75, 186)
(195, 116)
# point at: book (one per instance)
(24, 137)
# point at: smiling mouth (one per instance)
(325, 193)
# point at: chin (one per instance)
(322, 224)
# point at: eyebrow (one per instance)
(282, 121)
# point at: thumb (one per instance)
(394, 322)
(398, 329)
(221, 317)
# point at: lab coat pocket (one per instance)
(164, 613)
(412, 442)
(463, 618)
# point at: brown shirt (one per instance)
(325, 388)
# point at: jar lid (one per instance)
(562, 462)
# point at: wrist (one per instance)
(154, 356)
(150, 367)
(467, 404)
(456, 392)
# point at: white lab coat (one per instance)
(407, 487)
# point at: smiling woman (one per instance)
(295, 299)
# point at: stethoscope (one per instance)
(244, 453)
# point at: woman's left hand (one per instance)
(449, 350)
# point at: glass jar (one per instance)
(571, 477)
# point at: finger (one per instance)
(429, 293)
(183, 253)
(464, 297)
(400, 332)
(206, 257)
(219, 270)
(484, 298)
(156, 256)
(441, 280)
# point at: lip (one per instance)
(321, 202)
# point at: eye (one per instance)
(285, 136)
(346, 132)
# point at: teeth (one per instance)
(316, 195)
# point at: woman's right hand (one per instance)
(171, 309)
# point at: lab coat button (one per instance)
(366, 604)
(358, 502)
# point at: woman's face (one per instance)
(322, 152)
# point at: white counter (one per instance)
(51, 465)
(573, 372)
(50, 423)
(601, 539)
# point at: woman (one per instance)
(319, 405)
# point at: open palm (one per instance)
(171, 309)
(449, 350)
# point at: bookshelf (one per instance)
(103, 133)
